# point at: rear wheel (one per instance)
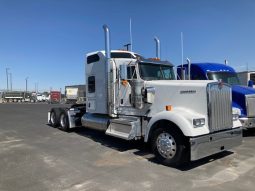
(64, 122)
(55, 117)
(169, 147)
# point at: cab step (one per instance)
(127, 128)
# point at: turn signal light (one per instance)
(169, 108)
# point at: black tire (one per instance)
(64, 122)
(55, 117)
(169, 147)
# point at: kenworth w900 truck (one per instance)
(243, 97)
(133, 98)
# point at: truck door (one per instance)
(124, 93)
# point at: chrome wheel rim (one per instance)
(166, 145)
(52, 118)
(63, 120)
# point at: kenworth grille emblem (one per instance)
(220, 84)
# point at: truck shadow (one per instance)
(203, 161)
(109, 141)
(140, 148)
(249, 132)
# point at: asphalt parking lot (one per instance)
(34, 156)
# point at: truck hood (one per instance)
(238, 96)
(188, 94)
(181, 83)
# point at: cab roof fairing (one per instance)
(211, 67)
(113, 51)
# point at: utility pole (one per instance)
(26, 83)
(60, 95)
(127, 46)
(130, 35)
(7, 87)
(36, 87)
(182, 47)
(10, 81)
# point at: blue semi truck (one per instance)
(243, 97)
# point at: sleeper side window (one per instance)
(92, 58)
(91, 84)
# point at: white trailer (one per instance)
(133, 98)
(245, 77)
(75, 94)
(71, 93)
(15, 96)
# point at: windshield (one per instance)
(227, 77)
(149, 71)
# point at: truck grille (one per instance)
(219, 106)
(250, 102)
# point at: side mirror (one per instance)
(149, 94)
(123, 72)
(250, 83)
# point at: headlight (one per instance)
(199, 122)
(235, 117)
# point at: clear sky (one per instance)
(47, 40)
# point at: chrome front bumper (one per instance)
(210, 144)
(247, 122)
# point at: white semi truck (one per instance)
(133, 98)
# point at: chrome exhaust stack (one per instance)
(107, 43)
(110, 87)
(226, 62)
(189, 68)
(157, 47)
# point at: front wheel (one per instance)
(169, 146)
